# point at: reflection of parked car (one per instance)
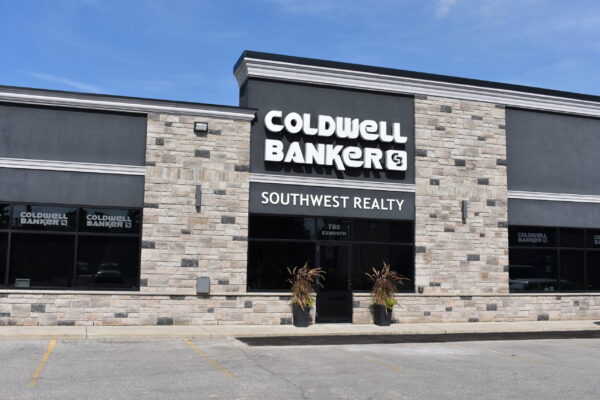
(529, 278)
(84, 269)
(109, 272)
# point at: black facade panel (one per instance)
(51, 133)
(553, 213)
(336, 102)
(553, 153)
(58, 187)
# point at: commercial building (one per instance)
(117, 210)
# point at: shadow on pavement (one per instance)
(427, 338)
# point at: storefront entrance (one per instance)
(334, 299)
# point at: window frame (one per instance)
(4, 281)
(317, 242)
(557, 249)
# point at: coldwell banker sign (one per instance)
(355, 148)
(339, 156)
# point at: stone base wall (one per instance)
(500, 308)
(132, 309)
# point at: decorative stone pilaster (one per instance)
(184, 241)
(461, 156)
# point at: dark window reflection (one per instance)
(533, 270)
(3, 254)
(333, 229)
(571, 237)
(532, 236)
(367, 256)
(109, 220)
(383, 231)
(269, 227)
(267, 263)
(593, 270)
(44, 218)
(4, 216)
(107, 262)
(41, 260)
(571, 270)
(593, 239)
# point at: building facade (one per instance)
(126, 211)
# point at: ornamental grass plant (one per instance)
(385, 284)
(303, 281)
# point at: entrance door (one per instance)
(334, 299)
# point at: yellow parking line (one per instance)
(207, 358)
(38, 371)
(374, 361)
(382, 364)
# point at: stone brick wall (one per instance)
(460, 155)
(484, 308)
(180, 242)
(160, 309)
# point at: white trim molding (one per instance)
(48, 165)
(100, 103)
(261, 68)
(569, 197)
(328, 182)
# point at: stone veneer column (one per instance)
(460, 155)
(180, 243)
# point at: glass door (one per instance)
(334, 299)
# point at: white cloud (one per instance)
(64, 81)
(443, 7)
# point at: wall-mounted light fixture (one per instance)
(463, 209)
(201, 127)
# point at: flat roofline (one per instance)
(412, 75)
(120, 103)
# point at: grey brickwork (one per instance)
(460, 256)
(188, 241)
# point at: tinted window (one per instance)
(368, 256)
(3, 254)
(107, 262)
(593, 239)
(268, 263)
(107, 220)
(43, 260)
(333, 229)
(533, 270)
(571, 237)
(383, 231)
(532, 237)
(44, 218)
(571, 270)
(4, 216)
(269, 227)
(593, 270)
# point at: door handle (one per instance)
(349, 284)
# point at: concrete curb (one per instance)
(224, 331)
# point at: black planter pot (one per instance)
(382, 316)
(301, 317)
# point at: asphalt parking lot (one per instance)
(231, 369)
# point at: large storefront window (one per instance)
(45, 246)
(277, 243)
(553, 259)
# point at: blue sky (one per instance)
(185, 50)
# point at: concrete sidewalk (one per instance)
(220, 331)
